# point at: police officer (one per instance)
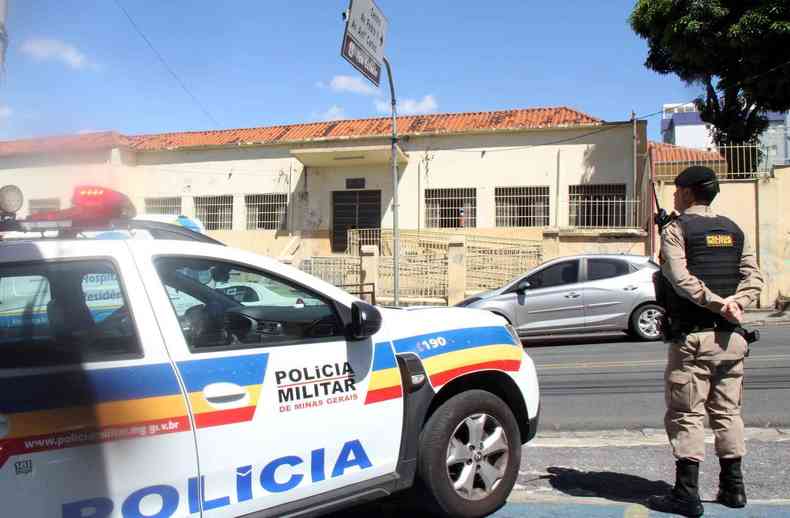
(708, 275)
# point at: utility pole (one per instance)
(3, 34)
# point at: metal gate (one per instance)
(353, 209)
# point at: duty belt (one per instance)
(681, 331)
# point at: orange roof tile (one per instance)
(660, 152)
(531, 118)
(67, 143)
(534, 118)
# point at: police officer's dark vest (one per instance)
(714, 246)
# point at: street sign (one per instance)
(363, 40)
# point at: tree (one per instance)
(737, 50)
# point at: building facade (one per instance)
(294, 191)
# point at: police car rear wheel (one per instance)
(645, 322)
(470, 452)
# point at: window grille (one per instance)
(522, 206)
(450, 208)
(43, 205)
(266, 211)
(597, 206)
(170, 206)
(216, 212)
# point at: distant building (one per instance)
(681, 125)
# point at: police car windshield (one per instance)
(194, 282)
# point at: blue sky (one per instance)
(78, 65)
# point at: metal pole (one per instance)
(3, 34)
(395, 228)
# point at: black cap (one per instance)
(696, 175)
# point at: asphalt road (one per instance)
(613, 383)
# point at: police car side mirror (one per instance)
(365, 321)
(523, 286)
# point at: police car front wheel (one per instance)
(469, 455)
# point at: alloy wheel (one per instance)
(477, 456)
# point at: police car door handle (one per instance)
(225, 394)
(631, 288)
(573, 295)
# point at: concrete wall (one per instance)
(736, 200)
(47, 176)
(774, 236)
(760, 207)
(558, 243)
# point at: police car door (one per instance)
(92, 419)
(284, 406)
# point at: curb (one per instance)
(764, 318)
(633, 438)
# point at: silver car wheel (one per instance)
(649, 323)
(477, 456)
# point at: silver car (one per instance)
(579, 294)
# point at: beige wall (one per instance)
(558, 243)
(774, 236)
(760, 207)
(56, 176)
(736, 200)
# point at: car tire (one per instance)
(645, 322)
(449, 459)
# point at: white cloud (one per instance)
(334, 113)
(427, 104)
(45, 49)
(354, 85)
(5, 112)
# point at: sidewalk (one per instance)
(766, 317)
(606, 509)
(611, 473)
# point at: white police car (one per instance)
(117, 401)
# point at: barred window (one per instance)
(602, 205)
(450, 208)
(266, 211)
(43, 205)
(522, 206)
(170, 205)
(216, 212)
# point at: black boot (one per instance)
(684, 498)
(732, 491)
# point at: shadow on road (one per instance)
(549, 341)
(618, 487)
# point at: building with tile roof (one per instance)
(297, 188)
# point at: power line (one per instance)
(167, 66)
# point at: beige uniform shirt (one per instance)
(674, 268)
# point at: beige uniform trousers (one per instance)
(705, 373)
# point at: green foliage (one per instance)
(738, 50)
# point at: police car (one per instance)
(133, 384)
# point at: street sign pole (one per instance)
(395, 205)
(363, 48)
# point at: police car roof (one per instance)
(114, 230)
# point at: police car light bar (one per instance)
(92, 205)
